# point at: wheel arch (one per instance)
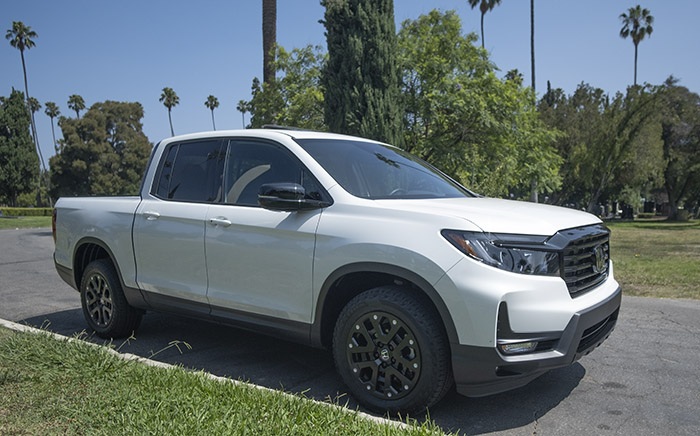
(89, 249)
(350, 280)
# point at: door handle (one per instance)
(220, 221)
(150, 215)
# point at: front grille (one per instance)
(583, 268)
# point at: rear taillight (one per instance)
(53, 225)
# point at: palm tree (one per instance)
(33, 104)
(52, 111)
(484, 6)
(20, 37)
(243, 108)
(269, 29)
(636, 23)
(169, 100)
(212, 103)
(532, 41)
(76, 103)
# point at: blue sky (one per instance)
(129, 50)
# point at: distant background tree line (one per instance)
(426, 88)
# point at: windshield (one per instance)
(376, 171)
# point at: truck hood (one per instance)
(494, 215)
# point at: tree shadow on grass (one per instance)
(279, 364)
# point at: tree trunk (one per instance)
(243, 120)
(482, 29)
(172, 132)
(54, 135)
(34, 135)
(532, 41)
(269, 29)
(635, 63)
(213, 123)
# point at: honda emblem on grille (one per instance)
(600, 264)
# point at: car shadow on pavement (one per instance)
(279, 364)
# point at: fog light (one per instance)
(519, 348)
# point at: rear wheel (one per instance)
(391, 351)
(104, 306)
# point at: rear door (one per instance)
(260, 261)
(169, 225)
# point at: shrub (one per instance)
(26, 211)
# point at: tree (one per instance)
(680, 125)
(532, 41)
(269, 33)
(610, 145)
(361, 77)
(637, 24)
(76, 103)
(484, 6)
(33, 105)
(295, 98)
(169, 100)
(19, 164)
(103, 153)
(212, 103)
(460, 117)
(20, 37)
(242, 107)
(52, 111)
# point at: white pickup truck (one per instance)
(413, 281)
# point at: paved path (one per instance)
(643, 381)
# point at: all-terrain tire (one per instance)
(391, 350)
(105, 307)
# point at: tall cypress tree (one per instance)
(361, 78)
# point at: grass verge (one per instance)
(52, 387)
(25, 222)
(657, 258)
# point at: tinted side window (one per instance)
(252, 164)
(192, 171)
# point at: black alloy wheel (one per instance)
(104, 305)
(391, 350)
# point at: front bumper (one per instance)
(480, 371)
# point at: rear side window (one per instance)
(192, 171)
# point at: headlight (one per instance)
(516, 253)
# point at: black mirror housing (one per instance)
(287, 197)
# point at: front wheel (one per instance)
(391, 351)
(104, 305)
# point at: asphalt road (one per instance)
(642, 381)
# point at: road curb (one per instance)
(128, 356)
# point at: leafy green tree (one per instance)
(52, 111)
(484, 7)
(637, 24)
(680, 124)
(103, 153)
(242, 107)
(169, 99)
(295, 98)
(269, 36)
(19, 165)
(460, 117)
(361, 77)
(212, 103)
(611, 146)
(76, 103)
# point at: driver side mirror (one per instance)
(287, 197)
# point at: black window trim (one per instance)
(156, 179)
(226, 142)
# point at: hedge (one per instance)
(26, 211)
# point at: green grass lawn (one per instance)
(25, 222)
(657, 258)
(53, 387)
